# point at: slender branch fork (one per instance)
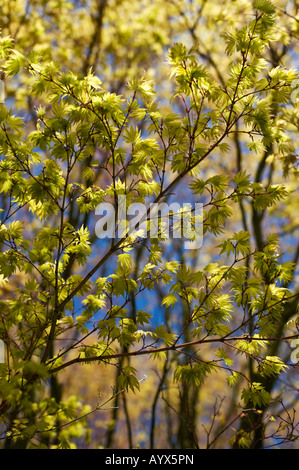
(174, 347)
(99, 407)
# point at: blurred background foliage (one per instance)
(119, 40)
